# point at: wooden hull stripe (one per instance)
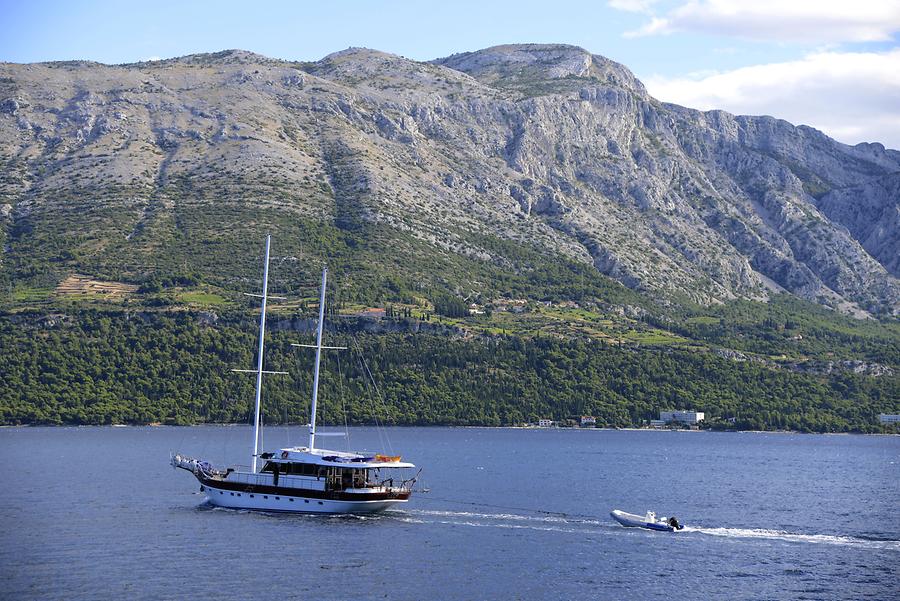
(300, 492)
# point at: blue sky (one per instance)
(759, 57)
(114, 32)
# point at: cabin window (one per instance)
(268, 467)
(299, 469)
(359, 478)
(349, 477)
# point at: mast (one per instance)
(259, 358)
(312, 411)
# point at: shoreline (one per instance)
(536, 428)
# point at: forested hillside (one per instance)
(513, 233)
(108, 368)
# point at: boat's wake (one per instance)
(546, 523)
(598, 526)
(781, 535)
(515, 517)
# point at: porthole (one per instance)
(265, 496)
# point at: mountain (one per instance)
(448, 175)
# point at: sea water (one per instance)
(97, 513)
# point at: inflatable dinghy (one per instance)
(649, 521)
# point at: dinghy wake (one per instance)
(597, 526)
(781, 535)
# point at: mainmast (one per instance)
(259, 358)
(315, 392)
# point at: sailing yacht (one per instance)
(302, 479)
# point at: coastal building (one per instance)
(682, 417)
(545, 423)
(889, 418)
(588, 421)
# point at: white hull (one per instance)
(292, 504)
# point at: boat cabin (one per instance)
(336, 478)
(338, 471)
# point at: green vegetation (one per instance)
(553, 337)
(116, 367)
(791, 329)
(206, 299)
(370, 263)
(26, 295)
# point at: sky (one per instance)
(832, 65)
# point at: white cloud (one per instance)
(806, 21)
(853, 97)
(632, 6)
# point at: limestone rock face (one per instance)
(871, 213)
(547, 145)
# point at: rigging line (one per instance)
(284, 422)
(384, 407)
(343, 405)
(382, 433)
(354, 349)
(368, 391)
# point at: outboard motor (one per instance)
(673, 522)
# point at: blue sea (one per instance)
(97, 513)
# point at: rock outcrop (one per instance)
(547, 145)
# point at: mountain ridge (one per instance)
(548, 145)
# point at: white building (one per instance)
(888, 418)
(683, 417)
(545, 423)
(588, 421)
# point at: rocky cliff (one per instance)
(544, 145)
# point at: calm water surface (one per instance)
(97, 513)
